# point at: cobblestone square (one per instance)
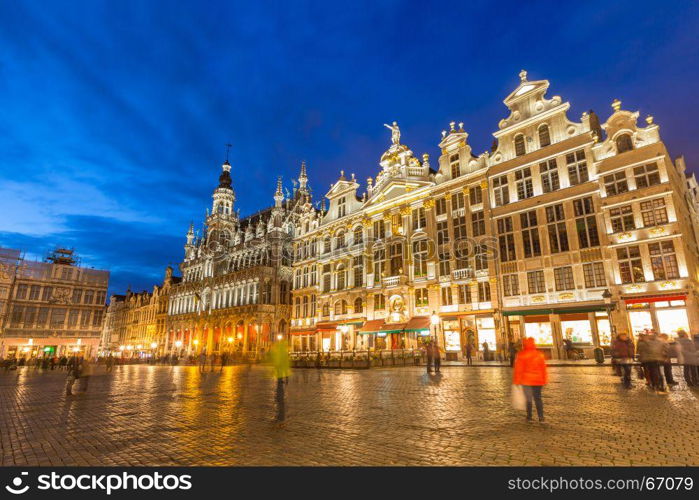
(160, 415)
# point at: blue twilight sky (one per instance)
(114, 115)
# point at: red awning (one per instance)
(326, 327)
(655, 298)
(418, 323)
(371, 326)
(304, 331)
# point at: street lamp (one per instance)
(609, 306)
(434, 319)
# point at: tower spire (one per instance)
(278, 194)
(303, 178)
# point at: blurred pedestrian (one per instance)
(671, 353)
(429, 353)
(224, 360)
(202, 362)
(486, 351)
(436, 357)
(687, 357)
(469, 353)
(622, 357)
(512, 351)
(86, 370)
(73, 367)
(279, 356)
(652, 353)
(530, 372)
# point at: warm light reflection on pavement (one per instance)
(145, 415)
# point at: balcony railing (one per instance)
(391, 281)
(462, 274)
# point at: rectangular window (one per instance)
(444, 264)
(21, 292)
(379, 258)
(563, 278)
(501, 191)
(17, 315)
(47, 293)
(478, 223)
(506, 240)
(586, 222)
(646, 175)
(358, 269)
(379, 301)
(615, 183)
(29, 317)
(421, 297)
(510, 285)
(523, 181)
(97, 318)
(630, 265)
(341, 207)
(43, 317)
(396, 258)
(558, 235)
(536, 282)
(419, 221)
(475, 195)
(89, 297)
(530, 234)
(442, 232)
(420, 249)
(464, 294)
(481, 258)
(454, 164)
(460, 228)
(549, 176)
(654, 212)
(379, 230)
(663, 260)
(577, 167)
(622, 219)
(34, 292)
(73, 318)
(458, 201)
(446, 296)
(441, 206)
(483, 291)
(594, 275)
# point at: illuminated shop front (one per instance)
(476, 329)
(663, 314)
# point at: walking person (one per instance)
(667, 363)
(279, 355)
(687, 357)
(86, 370)
(436, 357)
(202, 362)
(430, 356)
(469, 353)
(622, 357)
(73, 367)
(486, 351)
(512, 351)
(224, 360)
(530, 372)
(652, 353)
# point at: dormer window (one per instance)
(544, 136)
(341, 207)
(624, 143)
(455, 168)
(520, 148)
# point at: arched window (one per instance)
(624, 143)
(358, 235)
(544, 136)
(520, 149)
(358, 305)
(340, 240)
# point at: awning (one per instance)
(326, 327)
(372, 326)
(557, 310)
(352, 322)
(303, 331)
(418, 324)
(654, 298)
(392, 328)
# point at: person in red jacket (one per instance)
(530, 372)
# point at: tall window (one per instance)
(379, 230)
(379, 262)
(341, 207)
(358, 235)
(558, 235)
(654, 212)
(454, 164)
(340, 307)
(305, 306)
(340, 240)
(419, 221)
(481, 258)
(358, 305)
(549, 175)
(47, 292)
(506, 239)
(89, 297)
(297, 307)
(313, 306)
(441, 206)
(457, 201)
(396, 258)
(520, 148)
(358, 270)
(563, 277)
(630, 265)
(622, 219)
(444, 263)
(341, 277)
(483, 291)
(21, 292)
(501, 191)
(663, 260)
(475, 195)
(325, 311)
(420, 258)
(478, 223)
(460, 228)
(34, 294)
(544, 136)
(646, 175)
(379, 301)
(536, 282)
(586, 222)
(615, 183)
(446, 296)
(577, 167)
(530, 234)
(523, 181)
(624, 143)
(327, 277)
(442, 232)
(327, 245)
(510, 285)
(593, 273)
(421, 299)
(464, 294)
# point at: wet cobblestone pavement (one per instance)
(144, 415)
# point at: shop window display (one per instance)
(540, 332)
(671, 320)
(579, 331)
(640, 321)
(486, 332)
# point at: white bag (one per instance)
(519, 400)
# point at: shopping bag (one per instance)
(519, 400)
